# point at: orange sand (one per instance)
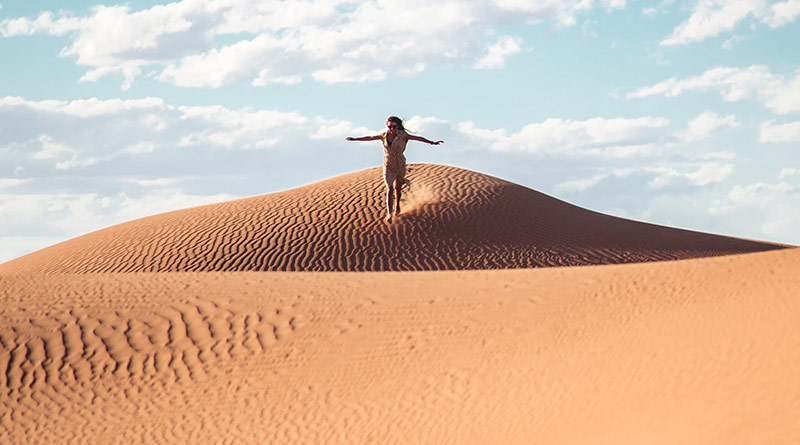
(453, 219)
(695, 351)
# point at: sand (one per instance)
(453, 219)
(699, 350)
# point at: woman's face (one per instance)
(392, 126)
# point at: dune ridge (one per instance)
(453, 219)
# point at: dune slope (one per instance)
(703, 351)
(452, 219)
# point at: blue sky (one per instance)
(678, 113)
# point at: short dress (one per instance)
(394, 161)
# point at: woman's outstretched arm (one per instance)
(422, 139)
(365, 138)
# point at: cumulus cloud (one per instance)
(615, 137)
(614, 4)
(710, 173)
(776, 133)
(279, 41)
(711, 18)
(497, 54)
(778, 92)
(782, 13)
(705, 124)
(11, 182)
(775, 203)
(688, 176)
(79, 133)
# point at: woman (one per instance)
(394, 140)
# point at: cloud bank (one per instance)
(205, 43)
(711, 18)
(779, 93)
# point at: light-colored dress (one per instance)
(394, 161)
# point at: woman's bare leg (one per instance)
(398, 184)
(389, 203)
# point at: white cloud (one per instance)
(276, 41)
(705, 174)
(157, 182)
(777, 133)
(11, 182)
(782, 13)
(580, 185)
(337, 129)
(779, 93)
(614, 4)
(233, 63)
(731, 42)
(93, 131)
(787, 172)
(599, 136)
(705, 124)
(710, 173)
(246, 128)
(710, 18)
(497, 54)
(85, 108)
(44, 24)
(776, 205)
(66, 157)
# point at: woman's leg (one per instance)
(388, 179)
(398, 184)
(389, 202)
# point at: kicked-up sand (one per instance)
(177, 329)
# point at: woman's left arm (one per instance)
(422, 139)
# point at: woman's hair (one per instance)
(397, 121)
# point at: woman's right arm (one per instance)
(377, 137)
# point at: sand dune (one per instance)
(701, 351)
(453, 219)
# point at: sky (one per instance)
(684, 114)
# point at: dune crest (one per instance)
(454, 219)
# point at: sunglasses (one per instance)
(392, 126)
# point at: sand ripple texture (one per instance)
(704, 351)
(452, 219)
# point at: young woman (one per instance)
(394, 140)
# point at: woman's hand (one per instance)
(437, 142)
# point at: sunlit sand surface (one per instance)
(202, 346)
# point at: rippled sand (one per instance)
(202, 346)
